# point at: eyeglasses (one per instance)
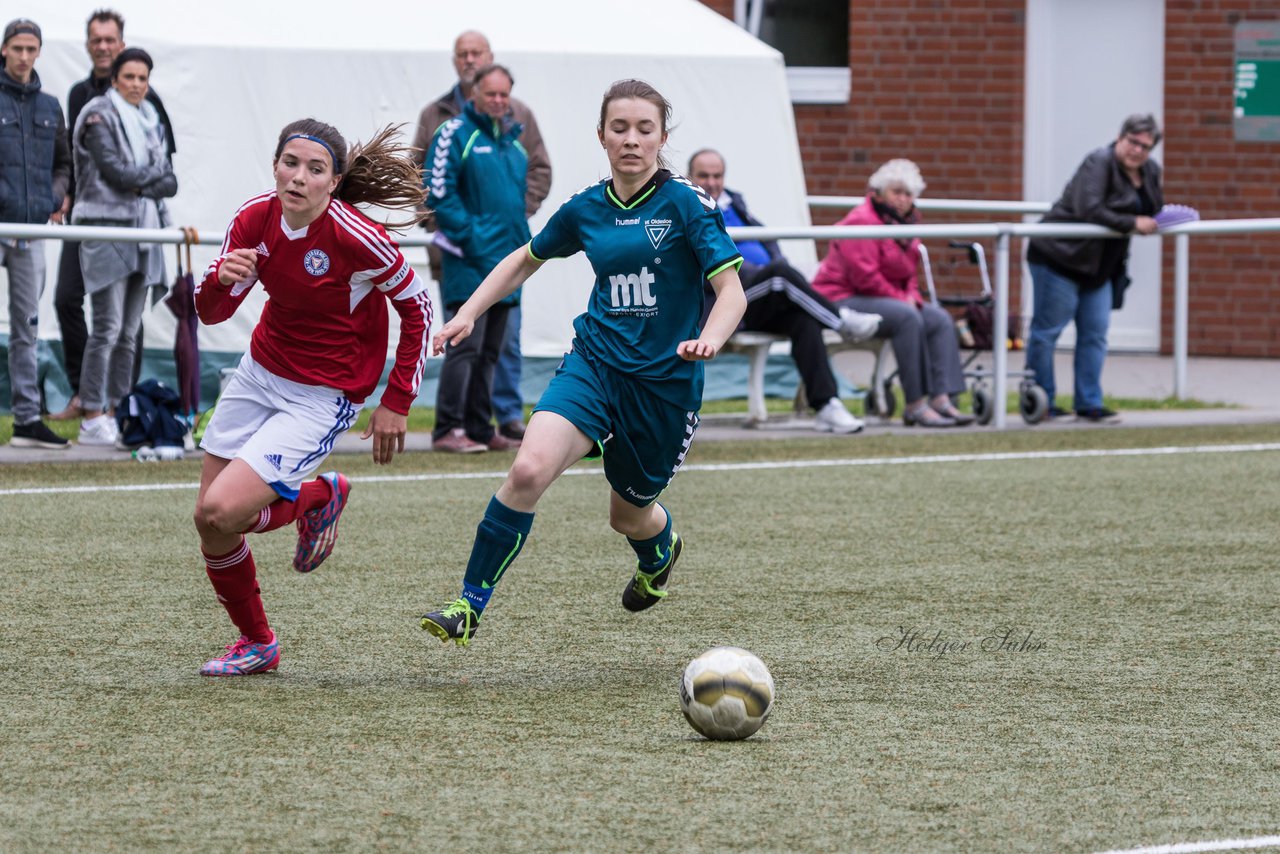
(1139, 144)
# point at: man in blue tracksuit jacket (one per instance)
(477, 179)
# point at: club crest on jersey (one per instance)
(316, 262)
(657, 229)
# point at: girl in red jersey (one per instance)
(317, 352)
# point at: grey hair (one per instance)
(1142, 123)
(899, 171)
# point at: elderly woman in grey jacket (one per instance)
(123, 175)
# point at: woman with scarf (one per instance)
(123, 176)
(879, 277)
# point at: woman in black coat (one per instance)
(1117, 186)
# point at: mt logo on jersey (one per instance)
(634, 289)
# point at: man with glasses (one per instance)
(1082, 280)
(471, 52)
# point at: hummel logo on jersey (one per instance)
(657, 229)
(441, 158)
(620, 221)
(632, 290)
(707, 202)
(275, 460)
(262, 250)
(316, 262)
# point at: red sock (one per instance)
(277, 514)
(235, 580)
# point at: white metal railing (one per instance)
(1000, 232)
(984, 206)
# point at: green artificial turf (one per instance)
(1141, 710)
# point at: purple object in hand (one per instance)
(1171, 215)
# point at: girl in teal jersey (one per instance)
(629, 388)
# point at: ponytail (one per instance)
(387, 174)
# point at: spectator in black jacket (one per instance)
(104, 41)
(1082, 280)
(36, 165)
(780, 300)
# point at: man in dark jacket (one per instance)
(104, 41)
(477, 189)
(471, 52)
(780, 300)
(35, 166)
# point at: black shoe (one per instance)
(513, 429)
(1058, 412)
(457, 622)
(1098, 415)
(647, 589)
(37, 435)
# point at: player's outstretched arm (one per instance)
(387, 429)
(723, 321)
(511, 273)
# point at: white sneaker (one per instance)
(835, 418)
(99, 431)
(857, 325)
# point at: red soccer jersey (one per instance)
(325, 321)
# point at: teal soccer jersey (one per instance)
(650, 255)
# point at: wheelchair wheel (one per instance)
(889, 400)
(1033, 402)
(885, 406)
(983, 406)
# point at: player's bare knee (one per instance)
(216, 517)
(528, 477)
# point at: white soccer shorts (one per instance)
(282, 429)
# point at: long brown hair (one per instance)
(380, 172)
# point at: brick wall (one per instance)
(941, 82)
(1235, 281)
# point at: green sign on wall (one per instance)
(1257, 80)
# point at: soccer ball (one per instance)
(726, 693)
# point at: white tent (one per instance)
(233, 72)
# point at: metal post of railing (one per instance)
(1000, 332)
(1181, 288)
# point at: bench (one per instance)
(755, 346)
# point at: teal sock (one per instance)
(499, 538)
(655, 551)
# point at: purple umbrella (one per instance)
(186, 344)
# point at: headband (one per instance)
(318, 141)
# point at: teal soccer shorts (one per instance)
(642, 438)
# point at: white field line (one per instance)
(719, 467)
(1189, 847)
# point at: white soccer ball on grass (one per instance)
(726, 693)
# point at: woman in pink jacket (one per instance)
(879, 276)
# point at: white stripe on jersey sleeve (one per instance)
(355, 224)
(423, 302)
